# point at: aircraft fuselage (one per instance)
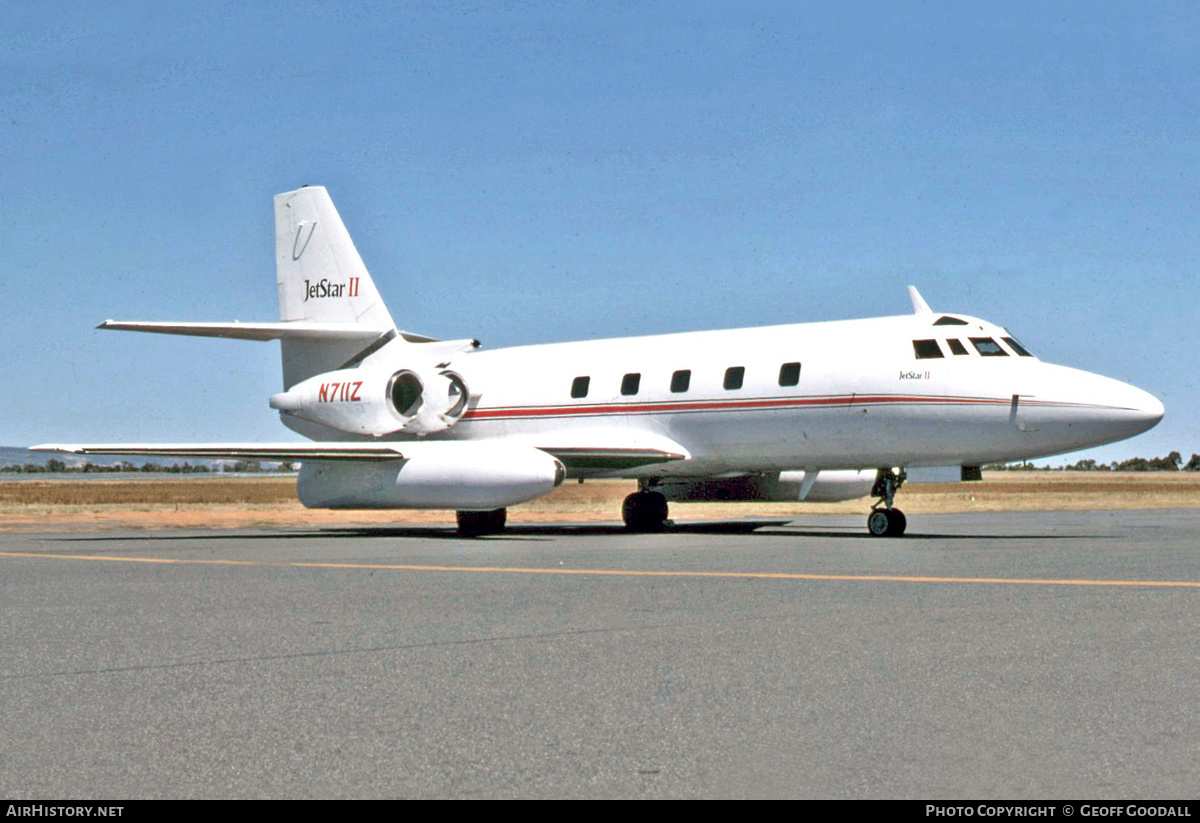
(857, 396)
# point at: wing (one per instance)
(606, 451)
(584, 455)
(584, 459)
(577, 458)
(237, 451)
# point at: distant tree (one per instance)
(1193, 465)
(1170, 463)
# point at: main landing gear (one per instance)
(645, 511)
(885, 520)
(477, 524)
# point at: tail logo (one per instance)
(299, 244)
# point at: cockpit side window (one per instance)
(1017, 347)
(988, 347)
(927, 349)
(956, 346)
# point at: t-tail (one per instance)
(330, 313)
(322, 280)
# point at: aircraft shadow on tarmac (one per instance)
(521, 531)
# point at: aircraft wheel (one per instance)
(477, 524)
(644, 512)
(887, 522)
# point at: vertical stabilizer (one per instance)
(321, 278)
(319, 272)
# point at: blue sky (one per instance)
(530, 172)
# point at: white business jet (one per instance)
(814, 411)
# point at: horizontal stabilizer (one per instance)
(298, 330)
(237, 451)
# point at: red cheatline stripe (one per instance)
(751, 404)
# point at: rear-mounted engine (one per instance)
(377, 403)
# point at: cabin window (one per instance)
(946, 320)
(988, 347)
(927, 349)
(579, 386)
(734, 375)
(789, 374)
(1017, 347)
(956, 346)
(630, 383)
(680, 380)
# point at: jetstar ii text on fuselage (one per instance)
(805, 412)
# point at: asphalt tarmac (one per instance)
(1023, 655)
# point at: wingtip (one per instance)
(52, 447)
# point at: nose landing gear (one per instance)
(885, 520)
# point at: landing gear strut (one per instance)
(645, 511)
(477, 524)
(885, 520)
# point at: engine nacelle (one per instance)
(377, 402)
(830, 486)
(460, 475)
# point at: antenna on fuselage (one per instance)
(919, 304)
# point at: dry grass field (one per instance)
(113, 502)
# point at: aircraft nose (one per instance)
(1150, 406)
(1125, 405)
(1074, 409)
(1119, 410)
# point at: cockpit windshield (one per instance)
(1017, 347)
(988, 347)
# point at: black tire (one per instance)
(886, 522)
(644, 512)
(477, 524)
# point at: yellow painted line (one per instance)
(405, 567)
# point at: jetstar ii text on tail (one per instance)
(324, 288)
(805, 412)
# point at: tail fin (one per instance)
(321, 278)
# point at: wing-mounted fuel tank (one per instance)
(463, 475)
(377, 401)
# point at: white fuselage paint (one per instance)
(863, 399)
